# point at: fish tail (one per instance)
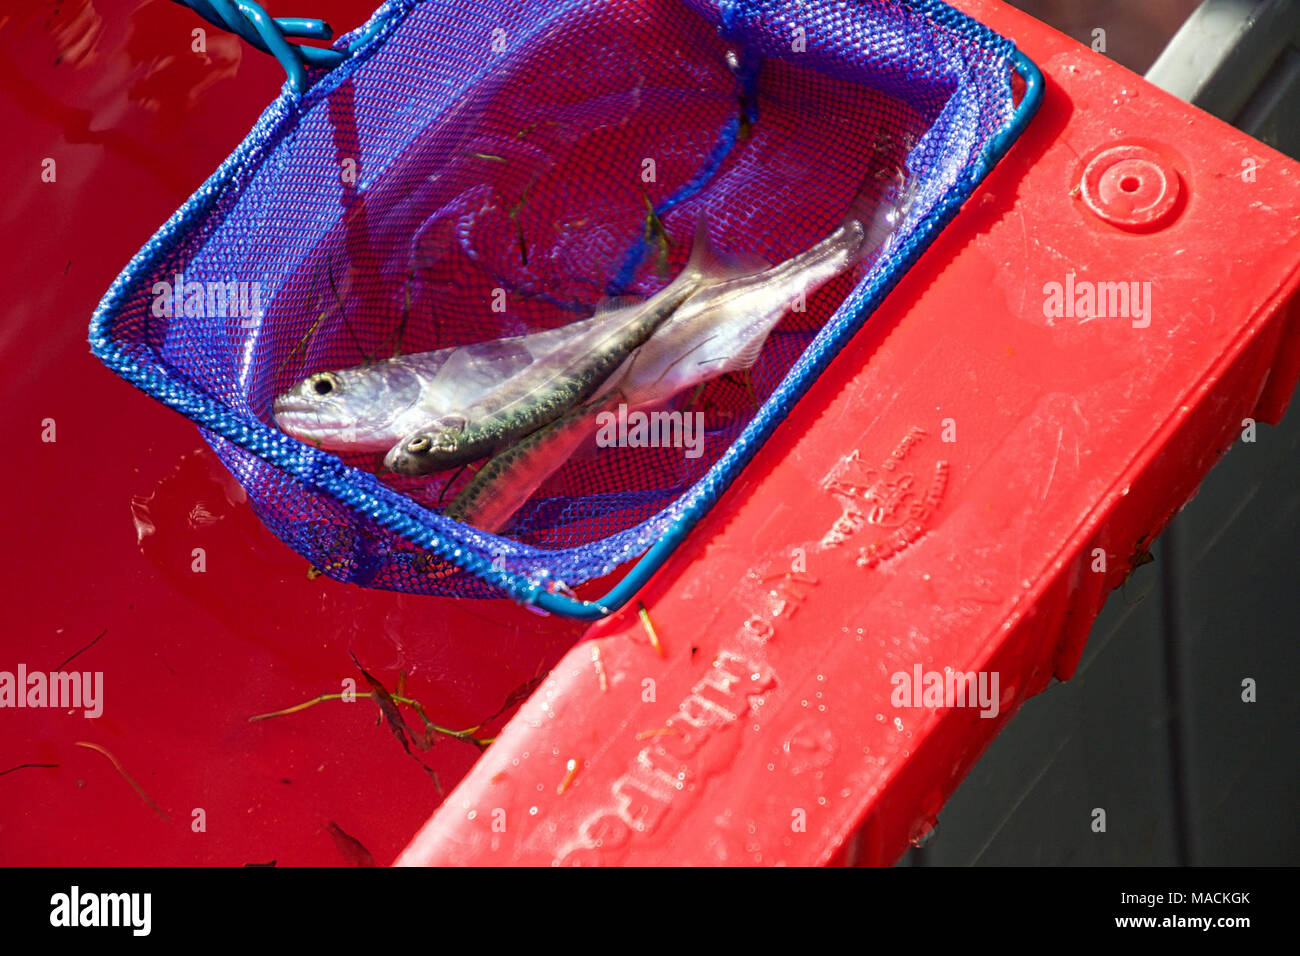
(879, 209)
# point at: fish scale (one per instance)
(495, 431)
(524, 466)
(542, 393)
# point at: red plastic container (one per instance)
(944, 497)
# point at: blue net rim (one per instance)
(331, 476)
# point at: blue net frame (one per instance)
(457, 149)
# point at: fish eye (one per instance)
(420, 445)
(324, 383)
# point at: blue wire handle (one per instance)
(268, 34)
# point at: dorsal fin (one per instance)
(612, 303)
(712, 265)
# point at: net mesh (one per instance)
(538, 156)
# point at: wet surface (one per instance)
(132, 548)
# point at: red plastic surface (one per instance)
(1131, 186)
(773, 693)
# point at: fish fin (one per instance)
(612, 303)
(709, 264)
(468, 372)
(748, 355)
(675, 362)
(880, 208)
(737, 361)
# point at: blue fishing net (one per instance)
(561, 151)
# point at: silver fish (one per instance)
(372, 407)
(723, 328)
(720, 329)
(552, 385)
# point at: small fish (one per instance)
(372, 407)
(720, 329)
(552, 385)
(501, 486)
